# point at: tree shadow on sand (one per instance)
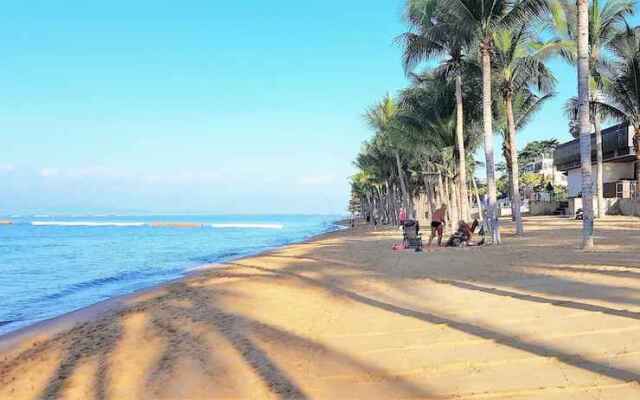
(574, 360)
(245, 335)
(165, 316)
(540, 299)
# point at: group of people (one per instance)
(462, 236)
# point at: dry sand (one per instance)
(346, 317)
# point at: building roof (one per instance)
(616, 147)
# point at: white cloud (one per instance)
(7, 168)
(49, 172)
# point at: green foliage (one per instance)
(622, 94)
(534, 150)
(531, 180)
(419, 125)
(502, 186)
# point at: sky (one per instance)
(198, 106)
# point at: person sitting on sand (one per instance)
(462, 237)
(437, 224)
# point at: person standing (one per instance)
(437, 224)
(402, 216)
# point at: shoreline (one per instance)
(345, 316)
(56, 325)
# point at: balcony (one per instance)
(617, 146)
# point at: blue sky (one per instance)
(220, 107)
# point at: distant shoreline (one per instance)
(55, 325)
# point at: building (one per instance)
(546, 167)
(618, 163)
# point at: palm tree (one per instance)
(380, 117)
(582, 24)
(427, 120)
(622, 94)
(532, 150)
(482, 18)
(520, 65)
(596, 114)
(524, 105)
(605, 23)
(379, 166)
(433, 36)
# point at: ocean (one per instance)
(53, 265)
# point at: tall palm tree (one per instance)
(596, 114)
(380, 167)
(519, 61)
(434, 35)
(582, 24)
(482, 18)
(622, 95)
(427, 111)
(380, 117)
(606, 21)
(524, 105)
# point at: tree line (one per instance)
(479, 68)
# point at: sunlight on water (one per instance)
(53, 265)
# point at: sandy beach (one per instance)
(344, 316)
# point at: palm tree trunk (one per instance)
(412, 202)
(599, 171)
(487, 119)
(434, 199)
(455, 209)
(429, 192)
(462, 170)
(440, 192)
(470, 200)
(513, 157)
(394, 204)
(636, 146)
(405, 196)
(388, 199)
(446, 200)
(507, 159)
(583, 122)
(475, 190)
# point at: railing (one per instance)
(615, 143)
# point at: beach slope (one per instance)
(344, 316)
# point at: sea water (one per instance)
(53, 265)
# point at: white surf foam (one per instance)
(85, 223)
(247, 226)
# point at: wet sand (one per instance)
(344, 316)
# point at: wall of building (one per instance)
(613, 172)
(628, 207)
(543, 207)
(610, 206)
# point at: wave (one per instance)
(133, 277)
(157, 224)
(244, 226)
(214, 258)
(85, 223)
